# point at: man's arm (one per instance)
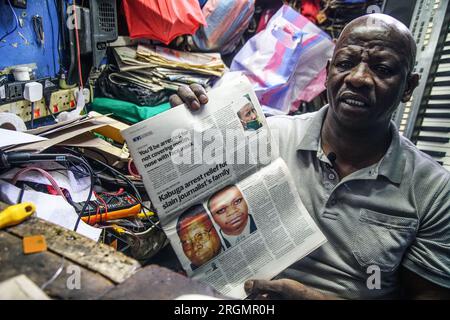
(285, 289)
(416, 287)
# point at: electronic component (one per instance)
(118, 206)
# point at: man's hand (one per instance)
(283, 289)
(192, 96)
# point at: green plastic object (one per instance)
(127, 111)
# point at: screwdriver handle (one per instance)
(15, 214)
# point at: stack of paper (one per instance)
(158, 68)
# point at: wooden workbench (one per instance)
(105, 273)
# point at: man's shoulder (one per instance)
(291, 120)
(291, 129)
(421, 170)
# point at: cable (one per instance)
(17, 23)
(130, 170)
(57, 273)
(104, 205)
(44, 173)
(32, 116)
(6, 160)
(116, 172)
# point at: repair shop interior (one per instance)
(102, 195)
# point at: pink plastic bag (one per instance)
(286, 62)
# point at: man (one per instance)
(382, 204)
(249, 118)
(198, 237)
(230, 212)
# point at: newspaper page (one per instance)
(225, 199)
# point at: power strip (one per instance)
(61, 100)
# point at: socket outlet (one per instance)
(61, 100)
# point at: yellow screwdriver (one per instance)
(15, 214)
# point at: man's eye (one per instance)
(220, 211)
(345, 65)
(238, 201)
(382, 69)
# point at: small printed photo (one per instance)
(198, 237)
(230, 213)
(249, 117)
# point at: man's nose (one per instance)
(359, 76)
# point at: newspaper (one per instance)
(225, 199)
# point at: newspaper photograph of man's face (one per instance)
(230, 213)
(198, 237)
(249, 117)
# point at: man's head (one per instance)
(229, 210)
(248, 116)
(198, 237)
(371, 71)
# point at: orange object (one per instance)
(162, 20)
(114, 244)
(34, 244)
(111, 215)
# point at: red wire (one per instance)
(104, 204)
(120, 191)
(78, 44)
(130, 169)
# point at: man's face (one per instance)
(229, 210)
(199, 240)
(368, 76)
(248, 113)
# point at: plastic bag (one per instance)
(286, 61)
(226, 22)
(162, 20)
(128, 91)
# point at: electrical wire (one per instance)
(17, 23)
(84, 163)
(130, 170)
(44, 173)
(56, 275)
(32, 116)
(104, 205)
(129, 183)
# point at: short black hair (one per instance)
(223, 189)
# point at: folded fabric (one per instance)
(127, 111)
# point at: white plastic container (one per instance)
(22, 73)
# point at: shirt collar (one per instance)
(390, 166)
(311, 139)
(393, 163)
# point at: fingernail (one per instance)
(203, 99)
(248, 286)
(195, 105)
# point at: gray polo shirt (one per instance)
(391, 214)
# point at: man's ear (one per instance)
(411, 83)
(328, 70)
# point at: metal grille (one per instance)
(106, 17)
